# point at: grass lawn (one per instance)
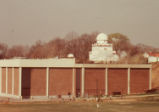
(82, 107)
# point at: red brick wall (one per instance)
(94, 81)
(38, 81)
(139, 80)
(9, 80)
(60, 81)
(16, 81)
(3, 80)
(117, 80)
(35, 80)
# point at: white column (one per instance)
(47, 81)
(6, 80)
(106, 81)
(12, 80)
(20, 81)
(128, 81)
(83, 78)
(73, 82)
(0, 80)
(150, 78)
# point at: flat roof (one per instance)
(37, 62)
(114, 65)
(63, 62)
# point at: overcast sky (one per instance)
(26, 21)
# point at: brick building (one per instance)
(49, 78)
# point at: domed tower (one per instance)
(102, 50)
(102, 38)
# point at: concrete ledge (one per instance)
(63, 62)
(10, 96)
(53, 97)
(48, 97)
(62, 96)
(38, 97)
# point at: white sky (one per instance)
(26, 21)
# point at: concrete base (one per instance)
(39, 97)
(10, 96)
(62, 96)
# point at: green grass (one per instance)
(82, 107)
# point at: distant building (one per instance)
(102, 50)
(152, 57)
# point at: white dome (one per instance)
(102, 37)
(70, 55)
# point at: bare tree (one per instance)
(17, 51)
(3, 50)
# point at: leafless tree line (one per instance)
(79, 46)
